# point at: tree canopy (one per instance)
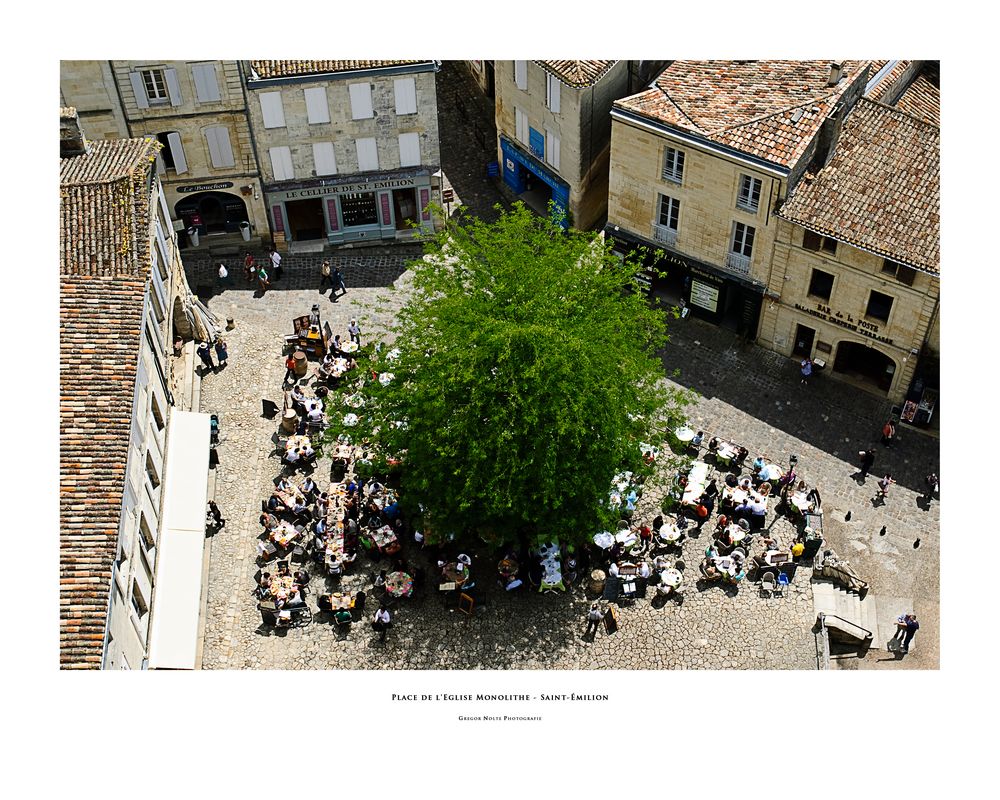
(525, 377)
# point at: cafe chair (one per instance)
(767, 584)
(359, 602)
(781, 585)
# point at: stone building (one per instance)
(855, 279)
(89, 87)
(554, 132)
(197, 111)
(484, 74)
(701, 160)
(348, 150)
(127, 550)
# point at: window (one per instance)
(813, 241)
(148, 540)
(206, 85)
(281, 163)
(358, 209)
(155, 87)
(670, 209)
(155, 84)
(151, 472)
(743, 239)
(673, 165)
(272, 110)
(552, 93)
(405, 90)
(749, 196)
(409, 149)
(157, 413)
(361, 101)
(317, 108)
(900, 272)
(521, 74)
(367, 154)
(521, 125)
(172, 154)
(879, 306)
(139, 604)
(220, 151)
(551, 148)
(324, 158)
(821, 284)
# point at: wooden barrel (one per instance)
(596, 583)
(301, 363)
(290, 421)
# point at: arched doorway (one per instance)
(212, 212)
(865, 364)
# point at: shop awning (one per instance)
(173, 638)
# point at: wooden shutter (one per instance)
(521, 126)
(406, 96)
(206, 85)
(271, 110)
(177, 151)
(521, 74)
(173, 87)
(317, 108)
(552, 93)
(552, 149)
(367, 154)
(219, 148)
(811, 241)
(281, 163)
(324, 158)
(361, 100)
(139, 90)
(409, 149)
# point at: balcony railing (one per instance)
(747, 205)
(738, 263)
(664, 234)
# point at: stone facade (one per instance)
(576, 137)
(340, 147)
(89, 87)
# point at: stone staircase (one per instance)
(850, 619)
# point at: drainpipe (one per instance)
(121, 100)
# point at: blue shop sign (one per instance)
(514, 159)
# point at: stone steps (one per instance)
(831, 599)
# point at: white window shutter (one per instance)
(367, 154)
(324, 158)
(409, 149)
(173, 87)
(271, 110)
(521, 74)
(139, 89)
(281, 163)
(361, 100)
(219, 148)
(206, 85)
(521, 126)
(406, 96)
(552, 149)
(177, 151)
(161, 168)
(552, 93)
(317, 108)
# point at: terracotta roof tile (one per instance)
(577, 73)
(922, 97)
(288, 69)
(750, 105)
(881, 189)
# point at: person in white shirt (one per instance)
(292, 456)
(355, 332)
(276, 264)
(315, 413)
(382, 622)
(307, 451)
(644, 570)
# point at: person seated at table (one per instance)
(797, 550)
(724, 540)
(315, 414)
(645, 570)
(742, 510)
(302, 577)
(770, 544)
(275, 504)
(721, 523)
(343, 616)
(337, 347)
(814, 499)
(732, 481)
(758, 466)
(757, 512)
(269, 521)
(698, 439)
(299, 506)
(293, 456)
(613, 569)
(745, 483)
(309, 488)
(741, 457)
(657, 522)
(295, 598)
(298, 398)
(713, 443)
(335, 567)
(709, 570)
(284, 485)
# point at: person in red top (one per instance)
(249, 267)
(289, 369)
(888, 433)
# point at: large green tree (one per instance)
(526, 376)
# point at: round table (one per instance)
(604, 539)
(669, 533)
(350, 420)
(771, 472)
(349, 347)
(295, 442)
(684, 434)
(399, 584)
(671, 577)
(456, 572)
(736, 533)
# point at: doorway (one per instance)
(305, 219)
(404, 203)
(212, 212)
(804, 336)
(866, 364)
(491, 80)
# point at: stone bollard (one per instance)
(230, 323)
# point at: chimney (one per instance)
(71, 139)
(836, 73)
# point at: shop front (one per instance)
(209, 209)
(531, 181)
(707, 291)
(353, 209)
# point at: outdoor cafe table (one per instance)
(626, 538)
(671, 577)
(684, 434)
(338, 367)
(800, 500)
(349, 347)
(507, 567)
(340, 601)
(455, 572)
(775, 558)
(736, 533)
(726, 564)
(384, 538)
(281, 586)
(770, 473)
(399, 584)
(284, 534)
(669, 533)
(295, 442)
(604, 539)
(289, 498)
(726, 451)
(552, 567)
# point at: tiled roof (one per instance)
(769, 109)
(577, 73)
(922, 97)
(104, 253)
(881, 189)
(102, 228)
(288, 69)
(887, 81)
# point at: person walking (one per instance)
(867, 461)
(205, 354)
(355, 332)
(221, 352)
(218, 521)
(382, 621)
(338, 282)
(906, 628)
(276, 264)
(325, 274)
(931, 485)
(262, 279)
(806, 368)
(883, 489)
(289, 369)
(223, 275)
(249, 267)
(889, 433)
(594, 617)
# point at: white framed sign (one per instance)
(704, 295)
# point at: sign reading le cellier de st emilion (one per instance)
(861, 326)
(351, 188)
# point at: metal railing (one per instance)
(662, 233)
(868, 635)
(738, 263)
